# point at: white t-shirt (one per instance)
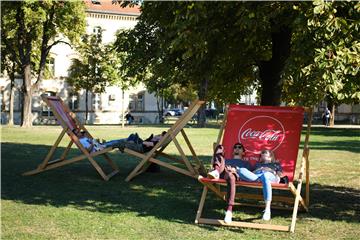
(327, 113)
(86, 142)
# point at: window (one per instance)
(74, 101)
(140, 102)
(96, 102)
(50, 65)
(136, 102)
(97, 30)
(46, 111)
(112, 97)
(132, 101)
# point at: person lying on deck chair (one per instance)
(268, 170)
(229, 170)
(134, 142)
(90, 144)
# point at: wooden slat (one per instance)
(110, 162)
(161, 163)
(214, 189)
(199, 162)
(298, 192)
(170, 136)
(223, 125)
(178, 160)
(56, 165)
(263, 206)
(66, 151)
(201, 204)
(48, 164)
(113, 173)
(52, 150)
(183, 156)
(307, 166)
(303, 204)
(243, 224)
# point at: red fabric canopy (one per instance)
(263, 127)
(59, 108)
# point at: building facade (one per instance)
(104, 108)
(110, 106)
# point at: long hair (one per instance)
(218, 156)
(271, 153)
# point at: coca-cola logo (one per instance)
(261, 132)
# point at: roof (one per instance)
(106, 6)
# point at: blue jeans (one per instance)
(114, 143)
(132, 138)
(264, 176)
(327, 120)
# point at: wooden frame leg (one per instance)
(98, 168)
(296, 206)
(201, 204)
(50, 154)
(136, 169)
(52, 150)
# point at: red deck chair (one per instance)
(69, 122)
(257, 128)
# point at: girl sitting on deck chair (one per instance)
(268, 170)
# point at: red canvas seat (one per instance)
(258, 128)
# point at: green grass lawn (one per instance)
(73, 202)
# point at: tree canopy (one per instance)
(331, 69)
(290, 51)
(30, 29)
(96, 67)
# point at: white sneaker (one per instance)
(228, 217)
(213, 174)
(267, 215)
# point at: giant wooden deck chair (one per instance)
(258, 127)
(189, 168)
(69, 123)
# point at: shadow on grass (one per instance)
(342, 145)
(165, 195)
(350, 145)
(334, 132)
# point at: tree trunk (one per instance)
(27, 97)
(86, 105)
(332, 117)
(24, 42)
(162, 108)
(11, 97)
(45, 49)
(201, 118)
(271, 70)
(159, 107)
(11, 105)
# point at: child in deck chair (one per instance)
(268, 171)
(229, 171)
